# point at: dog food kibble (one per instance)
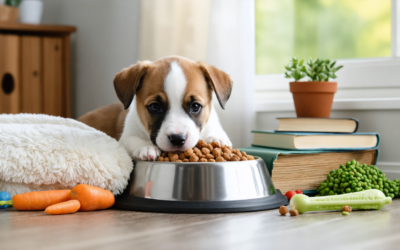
(226, 156)
(250, 157)
(293, 212)
(283, 210)
(226, 151)
(173, 157)
(194, 158)
(196, 151)
(346, 209)
(206, 152)
(219, 159)
(201, 144)
(188, 152)
(217, 152)
(235, 158)
(209, 156)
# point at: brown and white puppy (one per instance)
(170, 106)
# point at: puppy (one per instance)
(166, 106)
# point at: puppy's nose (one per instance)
(177, 139)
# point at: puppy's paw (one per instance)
(147, 153)
(222, 140)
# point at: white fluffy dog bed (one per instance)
(41, 152)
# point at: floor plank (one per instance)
(119, 229)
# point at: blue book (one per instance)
(315, 141)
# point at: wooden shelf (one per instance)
(34, 69)
(41, 29)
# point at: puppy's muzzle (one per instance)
(177, 139)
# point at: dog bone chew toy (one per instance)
(204, 152)
(368, 199)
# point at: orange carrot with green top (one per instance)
(39, 200)
(66, 207)
(91, 197)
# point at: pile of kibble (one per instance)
(206, 152)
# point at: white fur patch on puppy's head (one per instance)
(178, 131)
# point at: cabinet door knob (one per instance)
(7, 83)
(35, 73)
(56, 47)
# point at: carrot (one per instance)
(92, 198)
(39, 200)
(66, 207)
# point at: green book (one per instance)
(315, 141)
(306, 169)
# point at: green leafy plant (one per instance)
(316, 70)
(13, 3)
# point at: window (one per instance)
(361, 34)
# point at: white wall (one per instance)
(105, 42)
(385, 122)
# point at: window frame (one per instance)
(363, 84)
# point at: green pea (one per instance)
(348, 190)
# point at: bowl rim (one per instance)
(257, 158)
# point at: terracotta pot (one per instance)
(8, 14)
(313, 99)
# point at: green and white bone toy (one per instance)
(368, 199)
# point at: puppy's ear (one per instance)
(220, 81)
(128, 81)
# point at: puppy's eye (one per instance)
(154, 108)
(195, 108)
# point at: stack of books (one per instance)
(302, 151)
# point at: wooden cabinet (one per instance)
(34, 69)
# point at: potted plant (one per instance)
(31, 11)
(9, 11)
(312, 98)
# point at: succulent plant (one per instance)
(12, 3)
(316, 70)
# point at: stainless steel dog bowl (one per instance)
(201, 187)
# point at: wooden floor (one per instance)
(117, 229)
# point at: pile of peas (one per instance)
(354, 177)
